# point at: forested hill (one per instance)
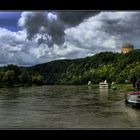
(105, 65)
(102, 66)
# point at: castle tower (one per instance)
(127, 48)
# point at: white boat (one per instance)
(133, 98)
(103, 85)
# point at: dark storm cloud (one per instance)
(52, 34)
(56, 31)
(125, 25)
(75, 18)
(39, 23)
(32, 22)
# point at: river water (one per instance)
(65, 107)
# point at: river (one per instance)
(65, 107)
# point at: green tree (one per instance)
(37, 79)
(25, 77)
(134, 74)
(8, 77)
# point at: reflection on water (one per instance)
(103, 94)
(65, 107)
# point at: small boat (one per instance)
(103, 85)
(133, 98)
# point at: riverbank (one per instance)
(125, 87)
(19, 85)
(120, 87)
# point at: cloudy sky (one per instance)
(28, 38)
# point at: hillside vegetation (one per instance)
(105, 65)
(102, 66)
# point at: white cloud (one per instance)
(24, 17)
(106, 31)
(52, 16)
(14, 48)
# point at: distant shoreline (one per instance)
(120, 87)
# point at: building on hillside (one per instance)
(127, 48)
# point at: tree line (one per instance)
(110, 66)
(12, 75)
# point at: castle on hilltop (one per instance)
(127, 48)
